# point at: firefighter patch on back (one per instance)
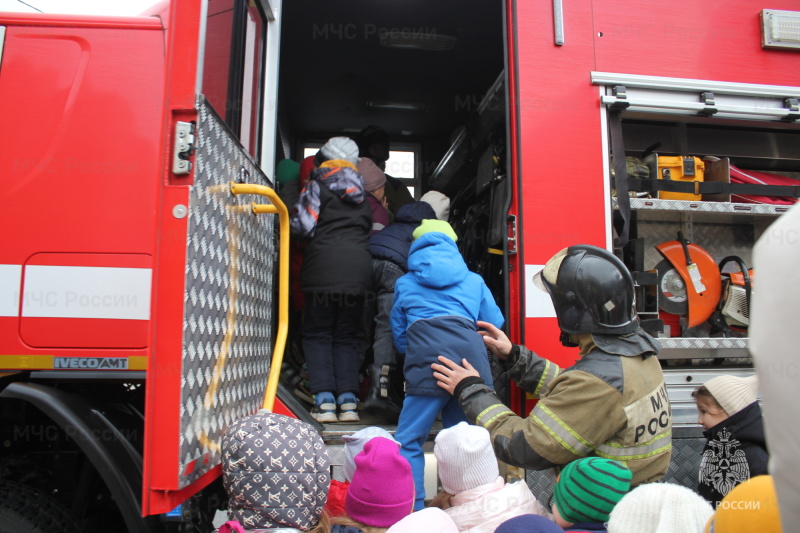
(649, 416)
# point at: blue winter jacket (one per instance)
(392, 242)
(436, 305)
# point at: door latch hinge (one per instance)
(184, 147)
(512, 234)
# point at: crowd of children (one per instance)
(277, 471)
(278, 478)
(347, 257)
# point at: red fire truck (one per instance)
(139, 278)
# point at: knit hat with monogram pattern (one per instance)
(275, 470)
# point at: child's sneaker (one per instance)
(348, 403)
(324, 409)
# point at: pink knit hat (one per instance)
(382, 491)
(374, 178)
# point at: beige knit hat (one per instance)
(733, 393)
(466, 458)
(660, 508)
(439, 202)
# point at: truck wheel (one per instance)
(26, 509)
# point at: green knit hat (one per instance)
(588, 489)
(287, 170)
(431, 225)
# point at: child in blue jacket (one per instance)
(436, 306)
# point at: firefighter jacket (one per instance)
(605, 405)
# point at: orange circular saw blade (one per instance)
(703, 281)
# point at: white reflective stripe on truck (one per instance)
(81, 292)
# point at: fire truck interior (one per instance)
(431, 75)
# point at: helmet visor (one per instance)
(549, 274)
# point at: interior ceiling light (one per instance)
(397, 104)
(417, 40)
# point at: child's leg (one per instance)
(387, 274)
(452, 413)
(416, 419)
(318, 325)
(348, 322)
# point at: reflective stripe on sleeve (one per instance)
(620, 452)
(490, 414)
(560, 431)
(550, 372)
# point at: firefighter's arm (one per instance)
(580, 413)
(533, 373)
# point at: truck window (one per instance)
(402, 165)
(233, 67)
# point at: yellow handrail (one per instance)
(278, 207)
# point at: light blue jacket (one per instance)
(436, 305)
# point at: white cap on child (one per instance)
(354, 445)
(660, 508)
(466, 458)
(733, 393)
(439, 202)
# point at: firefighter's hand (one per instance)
(449, 373)
(495, 339)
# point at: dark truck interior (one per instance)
(431, 74)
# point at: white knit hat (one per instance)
(439, 202)
(733, 393)
(354, 444)
(660, 508)
(338, 148)
(466, 458)
(428, 519)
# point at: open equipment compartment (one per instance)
(747, 127)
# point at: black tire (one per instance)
(25, 509)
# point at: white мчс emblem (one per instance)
(724, 465)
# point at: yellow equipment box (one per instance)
(680, 168)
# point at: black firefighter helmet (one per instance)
(592, 291)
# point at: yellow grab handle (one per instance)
(277, 206)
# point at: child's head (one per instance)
(374, 178)
(268, 454)
(354, 445)
(428, 519)
(306, 166)
(382, 491)
(709, 412)
(465, 457)
(588, 489)
(722, 397)
(435, 226)
(528, 523)
(661, 507)
(751, 507)
(338, 148)
(287, 170)
(439, 202)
